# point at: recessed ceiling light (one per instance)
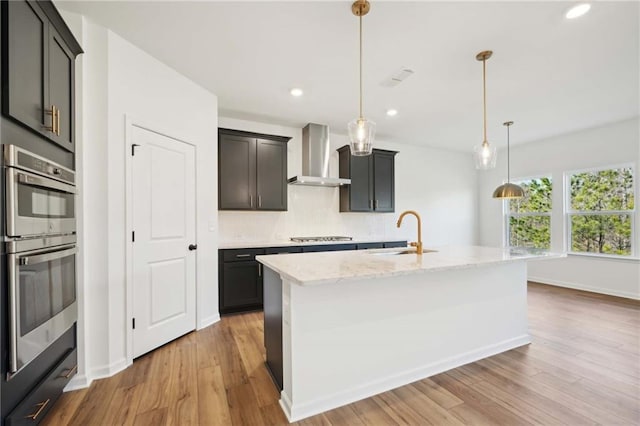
(392, 112)
(577, 11)
(296, 92)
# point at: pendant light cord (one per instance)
(508, 157)
(360, 20)
(484, 99)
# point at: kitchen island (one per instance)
(343, 326)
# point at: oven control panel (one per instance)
(19, 158)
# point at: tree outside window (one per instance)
(601, 211)
(529, 218)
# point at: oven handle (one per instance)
(31, 258)
(40, 182)
(27, 258)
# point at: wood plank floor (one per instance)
(582, 368)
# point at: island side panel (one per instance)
(354, 339)
(272, 297)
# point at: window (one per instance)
(529, 218)
(600, 211)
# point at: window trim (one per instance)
(568, 212)
(506, 213)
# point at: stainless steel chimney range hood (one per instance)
(316, 152)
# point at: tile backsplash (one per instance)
(312, 211)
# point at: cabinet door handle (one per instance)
(259, 200)
(37, 413)
(259, 269)
(371, 204)
(376, 204)
(193, 247)
(57, 122)
(243, 255)
(52, 113)
(250, 200)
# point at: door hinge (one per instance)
(133, 236)
(133, 149)
(133, 321)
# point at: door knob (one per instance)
(193, 247)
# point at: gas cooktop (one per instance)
(312, 239)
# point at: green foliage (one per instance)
(602, 191)
(537, 197)
(609, 234)
(531, 231)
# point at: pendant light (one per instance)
(485, 154)
(361, 130)
(508, 190)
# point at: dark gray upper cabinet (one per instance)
(372, 177)
(61, 89)
(271, 174)
(252, 171)
(26, 63)
(384, 181)
(237, 172)
(38, 75)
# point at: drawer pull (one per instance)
(42, 405)
(69, 373)
(243, 255)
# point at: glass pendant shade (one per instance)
(485, 156)
(361, 133)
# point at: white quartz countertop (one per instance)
(288, 243)
(332, 267)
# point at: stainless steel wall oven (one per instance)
(40, 242)
(40, 195)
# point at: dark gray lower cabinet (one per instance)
(367, 246)
(394, 244)
(246, 288)
(273, 325)
(32, 392)
(37, 404)
(241, 277)
(328, 247)
(240, 280)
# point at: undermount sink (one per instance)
(395, 253)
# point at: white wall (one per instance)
(447, 206)
(120, 81)
(617, 143)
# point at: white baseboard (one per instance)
(79, 381)
(108, 370)
(285, 404)
(577, 286)
(301, 411)
(206, 322)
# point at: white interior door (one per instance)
(164, 226)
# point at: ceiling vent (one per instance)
(397, 77)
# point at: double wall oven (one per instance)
(40, 242)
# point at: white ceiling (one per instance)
(547, 74)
